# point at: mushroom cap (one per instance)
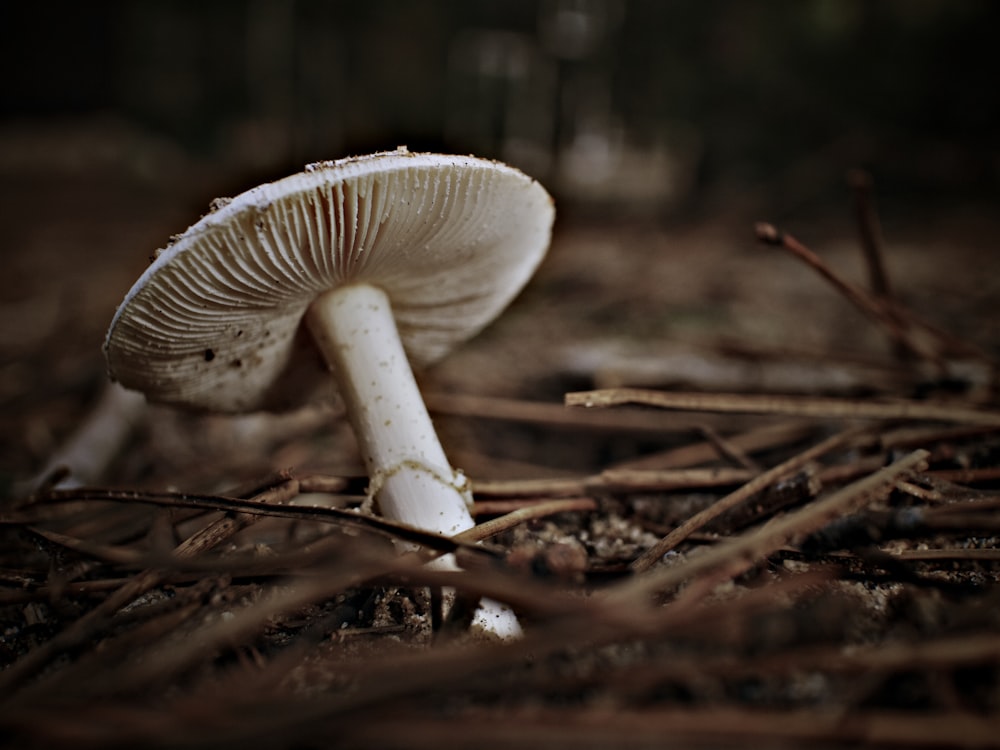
(216, 321)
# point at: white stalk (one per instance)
(410, 476)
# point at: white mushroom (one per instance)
(387, 259)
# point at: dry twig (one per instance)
(744, 493)
(735, 555)
(799, 406)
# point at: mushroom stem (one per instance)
(410, 477)
(354, 328)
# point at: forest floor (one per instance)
(731, 501)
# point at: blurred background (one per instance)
(644, 103)
(663, 129)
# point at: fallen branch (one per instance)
(550, 415)
(799, 406)
(732, 557)
(613, 481)
(750, 489)
(487, 529)
(900, 323)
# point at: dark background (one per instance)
(649, 105)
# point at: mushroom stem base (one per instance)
(410, 476)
